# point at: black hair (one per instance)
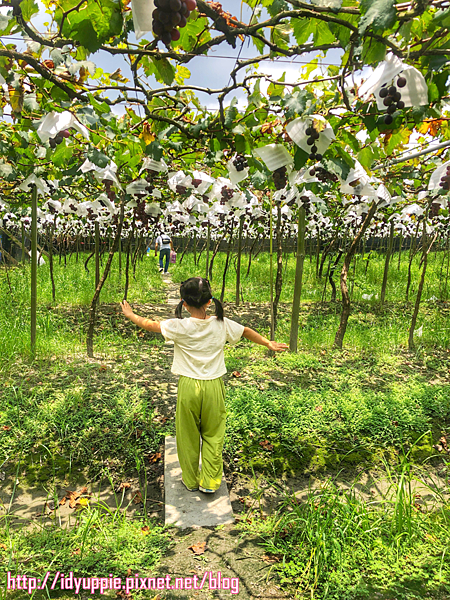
(196, 292)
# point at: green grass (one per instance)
(103, 541)
(60, 333)
(334, 544)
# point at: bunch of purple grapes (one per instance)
(279, 178)
(140, 214)
(323, 175)
(226, 194)
(392, 99)
(445, 180)
(109, 192)
(58, 139)
(240, 163)
(313, 136)
(170, 14)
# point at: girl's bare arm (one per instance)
(146, 324)
(255, 337)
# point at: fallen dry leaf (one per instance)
(145, 530)
(3, 546)
(236, 374)
(137, 499)
(72, 497)
(76, 551)
(198, 548)
(155, 457)
(6, 427)
(270, 559)
(123, 486)
(103, 368)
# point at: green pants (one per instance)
(200, 413)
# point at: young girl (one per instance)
(199, 361)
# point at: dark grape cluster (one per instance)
(323, 175)
(140, 214)
(306, 203)
(168, 15)
(196, 182)
(445, 180)
(240, 162)
(58, 139)
(109, 192)
(279, 178)
(313, 136)
(226, 194)
(392, 99)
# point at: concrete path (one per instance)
(188, 509)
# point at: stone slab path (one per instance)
(188, 509)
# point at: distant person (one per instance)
(164, 243)
(199, 361)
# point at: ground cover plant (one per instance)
(319, 413)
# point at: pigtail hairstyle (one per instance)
(196, 292)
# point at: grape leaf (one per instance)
(164, 71)
(62, 155)
(294, 104)
(378, 14)
(98, 158)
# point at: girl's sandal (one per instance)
(189, 489)
(205, 490)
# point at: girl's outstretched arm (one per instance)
(254, 336)
(147, 324)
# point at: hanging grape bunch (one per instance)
(279, 178)
(168, 15)
(313, 135)
(140, 214)
(58, 139)
(240, 163)
(306, 203)
(323, 175)
(226, 194)
(109, 192)
(445, 180)
(392, 99)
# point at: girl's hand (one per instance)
(277, 346)
(126, 309)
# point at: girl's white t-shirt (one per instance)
(198, 345)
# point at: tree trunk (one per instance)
(293, 338)
(400, 251)
(279, 277)
(412, 252)
(97, 254)
(325, 253)
(216, 250)
(33, 268)
(272, 314)
(250, 254)
(238, 267)
(127, 266)
(208, 239)
(93, 307)
(386, 264)
(50, 261)
(340, 333)
(224, 278)
(425, 251)
(331, 273)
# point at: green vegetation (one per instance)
(319, 412)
